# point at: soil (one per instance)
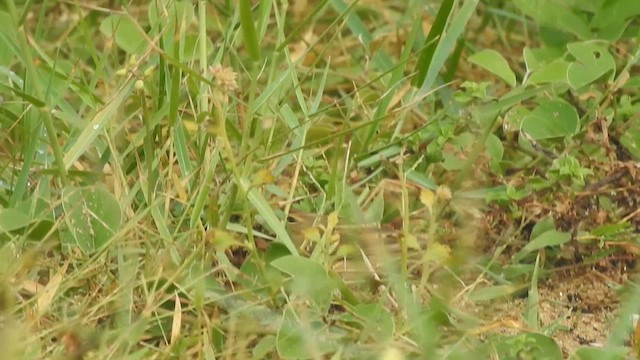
(580, 297)
(576, 307)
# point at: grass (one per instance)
(324, 179)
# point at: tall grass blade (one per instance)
(249, 33)
(95, 127)
(447, 43)
(431, 42)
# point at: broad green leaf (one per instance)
(452, 162)
(376, 322)
(551, 119)
(615, 11)
(495, 63)
(11, 219)
(310, 279)
(542, 226)
(514, 117)
(350, 210)
(592, 61)
(125, 33)
(535, 59)
(554, 72)
(33, 215)
(263, 347)
(494, 148)
(516, 96)
(92, 217)
(303, 339)
(547, 239)
(555, 14)
(612, 32)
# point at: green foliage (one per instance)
(530, 346)
(125, 33)
(592, 61)
(493, 62)
(551, 119)
(567, 167)
(584, 20)
(92, 217)
(310, 280)
(11, 220)
(248, 29)
(431, 42)
(593, 353)
(549, 238)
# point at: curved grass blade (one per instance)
(447, 43)
(431, 42)
(262, 206)
(86, 138)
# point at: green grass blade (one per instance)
(447, 43)
(431, 42)
(95, 127)
(34, 88)
(249, 32)
(203, 102)
(211, 163)
(271, 220)
(397, 76)
(24, 96)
